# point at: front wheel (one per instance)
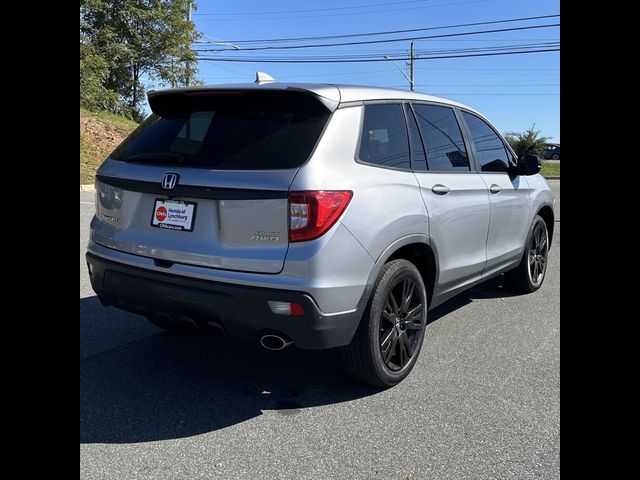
(387, 343)
(528, 276)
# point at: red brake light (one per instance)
(312, 213)
(297, 310)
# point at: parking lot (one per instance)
(481, 403)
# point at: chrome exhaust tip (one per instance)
(274, 342)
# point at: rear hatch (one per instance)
(205, 179)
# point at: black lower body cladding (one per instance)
(241, 310)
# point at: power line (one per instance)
(225, 19)
(258, 60)
(448, 40)
(383, 73)
(446, 70)
(402, 54)
(464, 69)
(390, 32)
(363, 52)
(313, 10)
(432, 69)
(441, 84)
(493, 48)
(388, 40)
(399, 52)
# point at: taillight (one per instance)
(286, 308)
(312, 213)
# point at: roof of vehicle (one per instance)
(335, 93)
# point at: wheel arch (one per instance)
(546, 212)
(419, 250)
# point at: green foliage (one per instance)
(528, 141)
(93, 72)
(124, 41)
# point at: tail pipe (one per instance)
(275, 341)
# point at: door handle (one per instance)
(495, 188)
(440, 189)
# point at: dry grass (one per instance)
(100, 133)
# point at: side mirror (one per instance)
(529, 164)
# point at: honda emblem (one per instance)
(169, 180)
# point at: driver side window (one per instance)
(491, 153)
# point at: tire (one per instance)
(555, 156)
(398, 333)
(528, 276)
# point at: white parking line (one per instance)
(86, 203)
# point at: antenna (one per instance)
(262, 77)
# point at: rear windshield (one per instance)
(228, 130)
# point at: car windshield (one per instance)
(236, 131)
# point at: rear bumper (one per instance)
(242, 310)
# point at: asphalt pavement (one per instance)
(481, 403)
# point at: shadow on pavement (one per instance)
(493, 288)
(164, 386)
(140, 384)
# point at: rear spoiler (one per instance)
(162, 100)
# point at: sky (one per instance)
(513, 91)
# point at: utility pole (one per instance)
(410, 79)
(187, 79)
(411, 85)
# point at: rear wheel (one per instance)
(387, 343)
(529, 275)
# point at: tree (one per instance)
(93, 72)
(528, 141)
(134, 40)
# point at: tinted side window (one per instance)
(384, 138)
(491, 153)
(442, 139)
(418, 157)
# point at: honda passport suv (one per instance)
(314, 215)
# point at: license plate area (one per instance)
(173, 214)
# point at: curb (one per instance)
(553, 178)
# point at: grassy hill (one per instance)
(100, 133)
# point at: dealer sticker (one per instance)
(173, 215)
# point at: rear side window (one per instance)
(384, 138)
(490, 151)
(228, 131)
(442, 139)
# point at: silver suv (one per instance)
(315, 215)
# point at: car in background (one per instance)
(552, 152)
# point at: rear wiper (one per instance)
(168, 157)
